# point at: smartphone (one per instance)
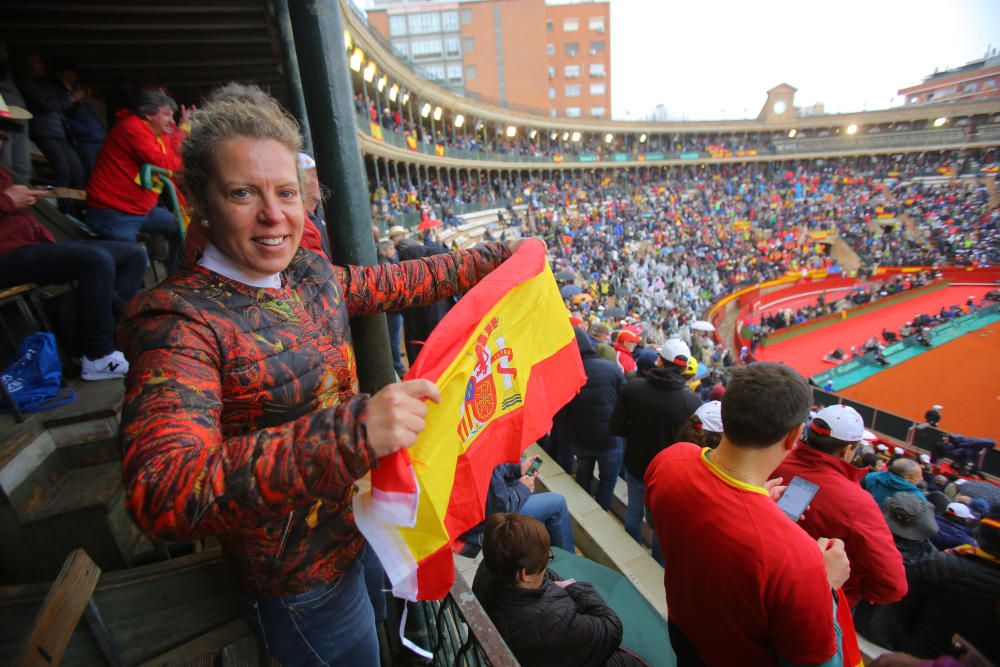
(533, 468)
(797, 497)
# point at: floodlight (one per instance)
(792, 133)
(938, 122)
(370, 70)
(357, 58)
(511, 131)
(459, 120)
(852, 129)
(393, 92)
(437, 113)
(425, 110)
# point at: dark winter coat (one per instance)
(583, 422)
(506, 494)
(419, 322)
(649, 414)
(48, 100)
(551, 626)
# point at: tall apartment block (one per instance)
(553, 57)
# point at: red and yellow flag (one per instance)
(505, 359)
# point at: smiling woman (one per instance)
(242, 417)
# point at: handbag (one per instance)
(34, 378)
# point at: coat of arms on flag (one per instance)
(505, 360)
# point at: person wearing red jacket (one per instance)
(118, 207)
(624, 344)
(104, 271)
(843, 509)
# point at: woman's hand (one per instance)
(396, 415)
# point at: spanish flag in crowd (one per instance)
(411, 141)
(505, 359)
(375, 130)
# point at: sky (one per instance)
(716, 59)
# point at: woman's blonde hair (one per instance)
(232, 111)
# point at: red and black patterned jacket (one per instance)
(242, 417)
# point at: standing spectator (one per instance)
(394, 320)
(107, 273)
(842, 509)
(911, 521)
(704, 427)
(419, 321)
(624, 344)
(744, 585)
(546, 621)
(49, 100)
(649, 413)
(933, 416)
(903, 476)
(118, 208)
(582, 425)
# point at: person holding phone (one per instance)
(744, 584)
(843, 509)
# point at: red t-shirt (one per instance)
(743, 582)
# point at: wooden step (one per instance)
(79, 489)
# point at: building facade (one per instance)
(977, 80)
(550, 57)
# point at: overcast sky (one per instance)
(711, 59)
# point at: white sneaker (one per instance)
(109, 367)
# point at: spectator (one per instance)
(732, 559)
(394, 320)
(582, 425)
(118, 208)
(704, 427)
(954, 527)
(419, 321)
(911, 521)
(107, 273)
(49, 100)
(601, 335)
(214, 375)
(649, 413)
(842, 509)
(624, 344)
(903, 476)
(314, 236)
(546, 621)
(85, 128)
(954, 593)
(15, 154)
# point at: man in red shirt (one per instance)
(624, 344)
(744, 584)
(843, 509)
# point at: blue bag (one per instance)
(34, 379)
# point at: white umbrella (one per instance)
(702, 325)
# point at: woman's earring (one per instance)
(204, 222)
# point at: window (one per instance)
(990, 83)
(572, 49)
(573, 112)
(550, 49)
(455, 73)
(571, 71)
(552, 93)
(549, 27)
(596, 23)
(970, 87)
(597, 112)
(553, 112)
(453, 46)
(402, 48)
(424, 49)
(552, 72)
(449, 21)
(466, 16)
(468, 44)
(434, 72)
(470, 72)
(397, 25)
(597, 70)
(596, 47)
(571, 25)
(573, 90)
(424, 23)
(598, 88)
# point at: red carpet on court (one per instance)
(963, 376)
(805, 353)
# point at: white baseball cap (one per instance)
(937, 407)
(306, 161)
(674, 348)
(882, 447)
(926, 458)
(961, 510)
(844, 423)
(899, 451)
(710, 415)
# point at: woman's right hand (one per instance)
(396, 415)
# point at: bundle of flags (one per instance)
(505, 360)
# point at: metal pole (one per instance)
(291, 64)
(326, 86)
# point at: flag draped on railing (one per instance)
(505, 359)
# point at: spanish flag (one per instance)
(411, 141)
(375, 130)
(505, 359)
(439, 150)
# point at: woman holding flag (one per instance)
(242, 416)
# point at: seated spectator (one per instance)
(954, 593)
(744, 585)
(118, 208)
(842, 508)
(912, 523)
(954, 527)
(982, 490)
(107, 273)
(546, 621)
(903, 476)
(704, 427)
(85, 128)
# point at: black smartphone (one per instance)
(533, 468)
(797, 497)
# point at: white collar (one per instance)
(213, 260)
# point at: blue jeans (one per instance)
(550, 509)
(636, 511)
(117, 226)
(395, 322)
(610, 461)
(330, 625)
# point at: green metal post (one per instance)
(291, 64)
(326, 85)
